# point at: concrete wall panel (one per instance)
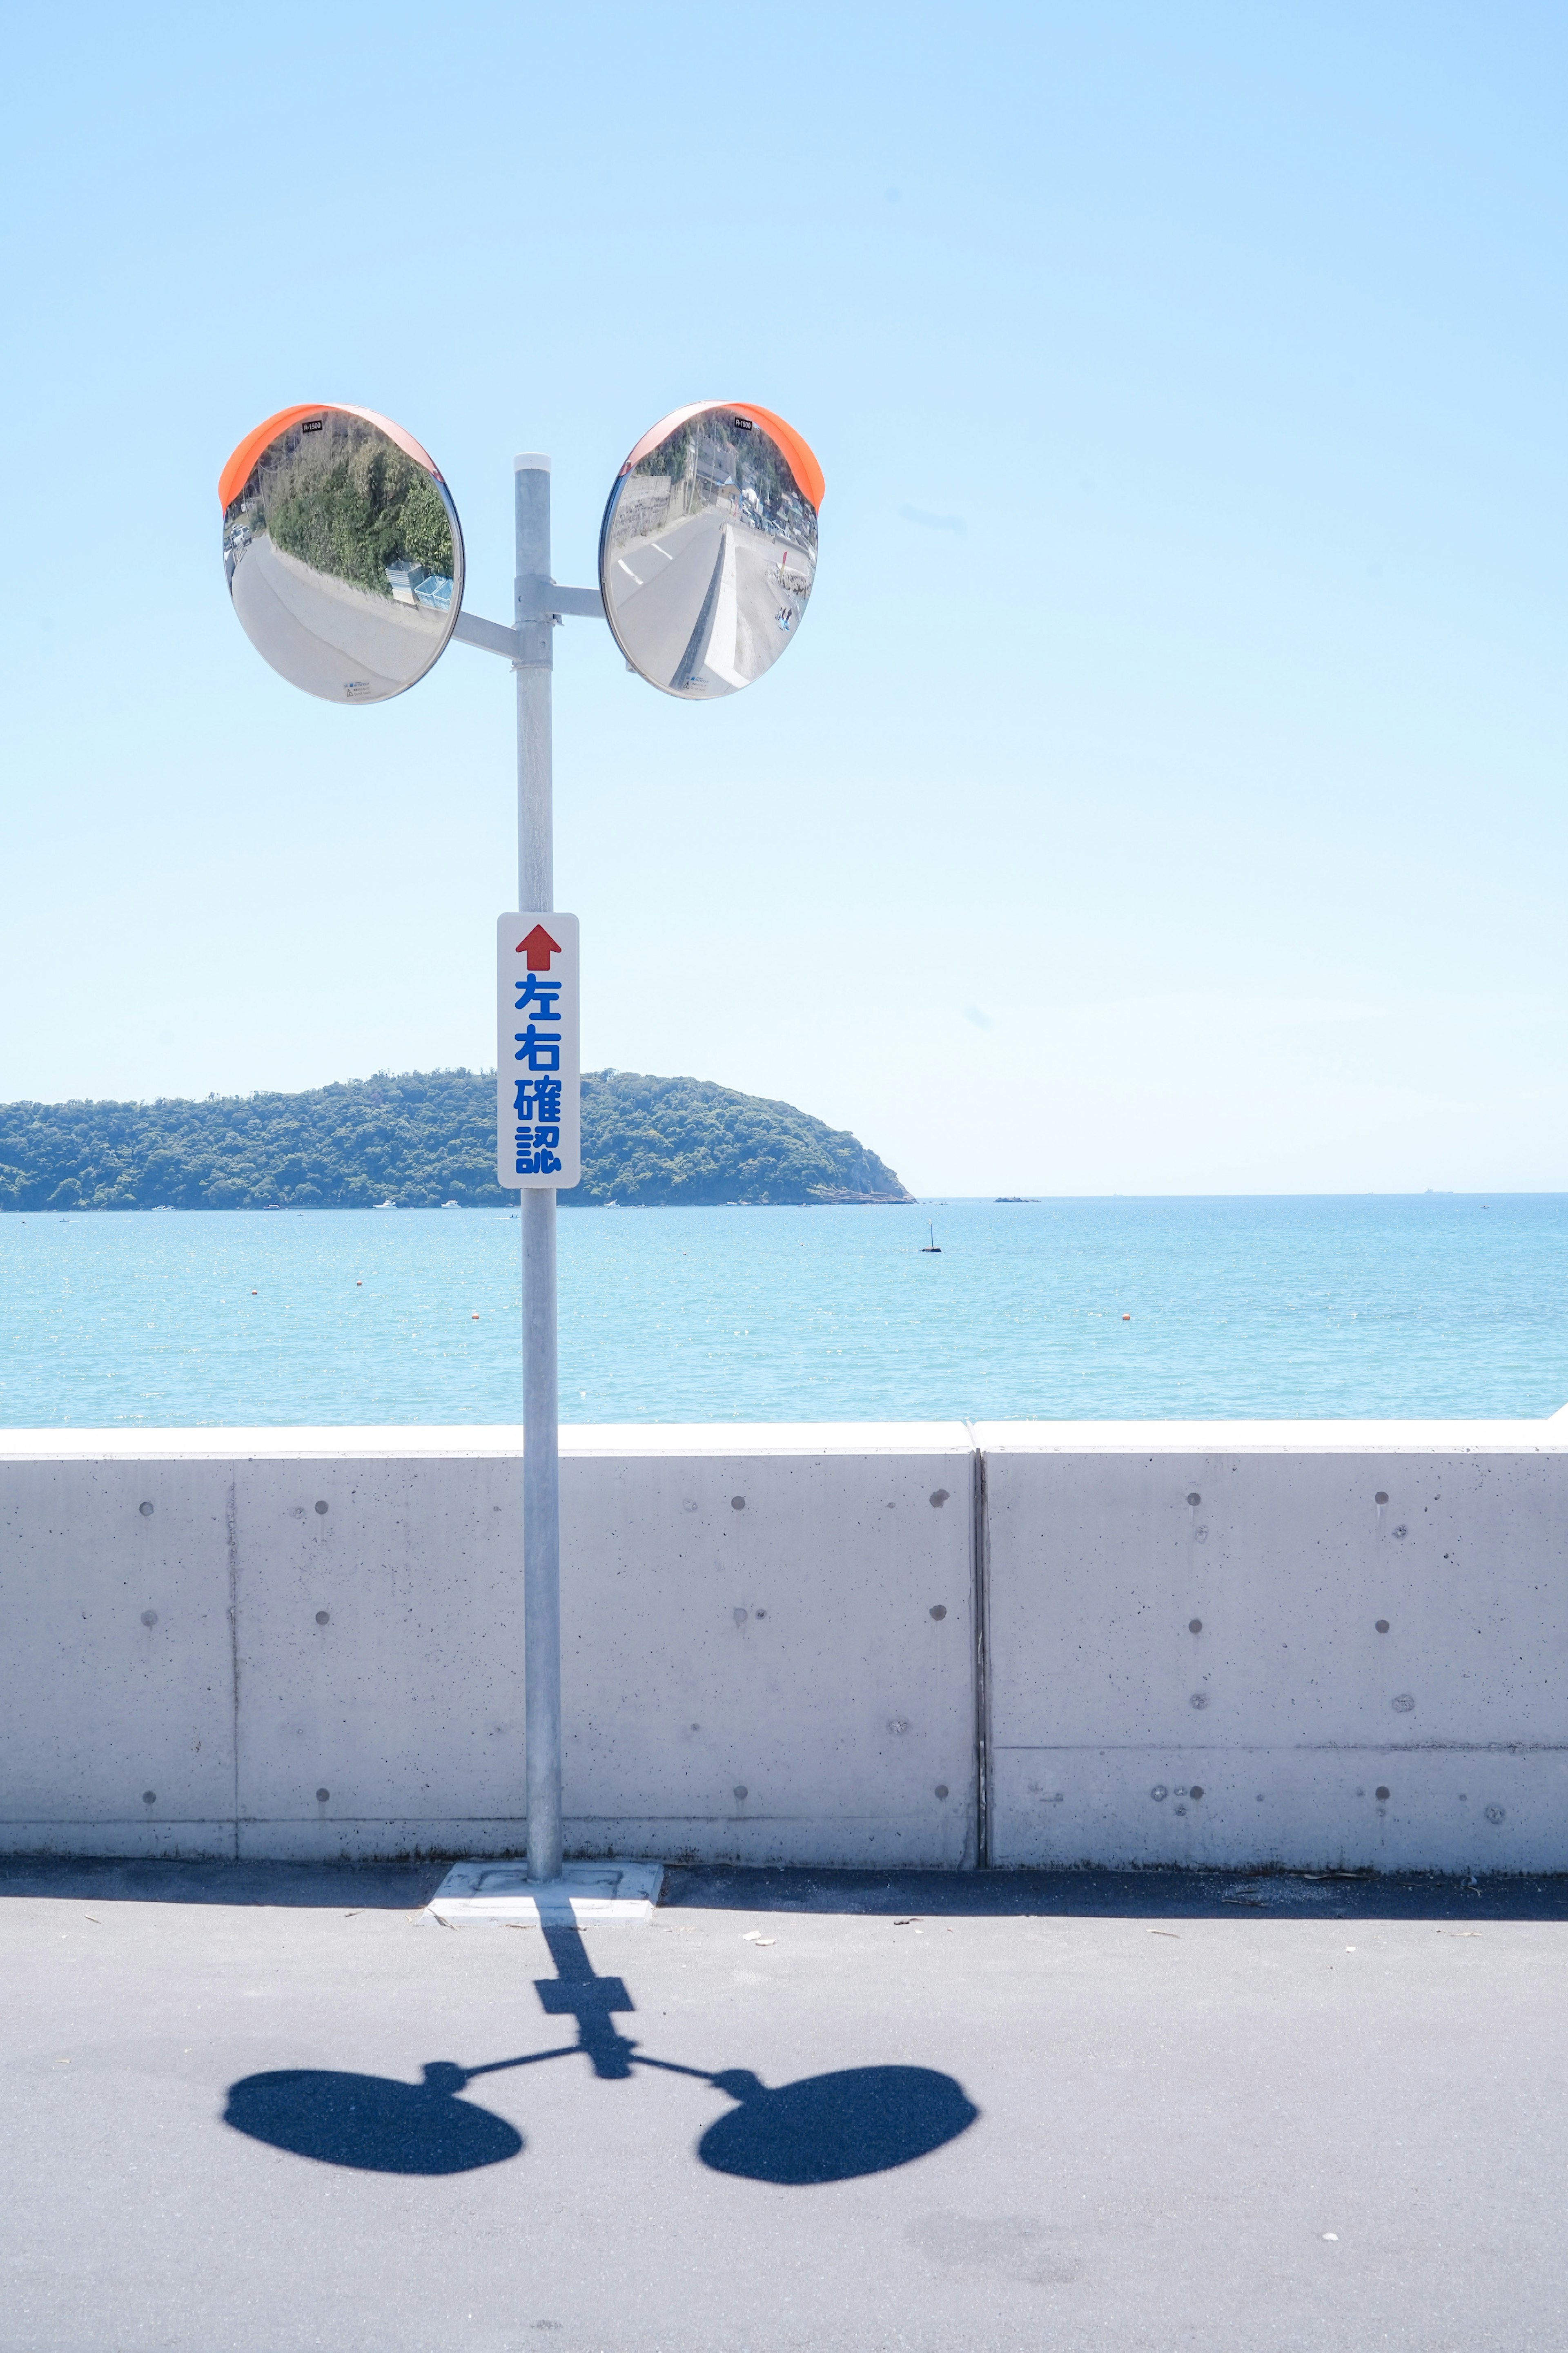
(788, 1679)
(117, 1726)
(769, 1653)
(380, 1654)
(1202, 1643)
(1251, 1622)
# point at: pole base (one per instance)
(502, 1894)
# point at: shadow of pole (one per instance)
(834, 2127)
(576, 1991)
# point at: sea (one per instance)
(1058, 1309)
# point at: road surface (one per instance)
(270, 2107)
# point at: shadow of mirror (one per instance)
(372, 2122)
(834, 2127)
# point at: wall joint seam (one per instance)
(980, 1614)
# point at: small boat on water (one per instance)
(934, 1248)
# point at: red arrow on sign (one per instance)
(539, 947)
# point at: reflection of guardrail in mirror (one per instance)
(691, 579)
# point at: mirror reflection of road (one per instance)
(694, 605)
(324, 634)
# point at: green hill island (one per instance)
(422, 1139)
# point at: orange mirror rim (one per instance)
(237, 471)
(802, 461)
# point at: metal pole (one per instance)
(541, 1395)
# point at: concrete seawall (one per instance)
(934, 1644)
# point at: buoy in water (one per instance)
(1127, 1319)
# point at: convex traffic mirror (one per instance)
(708, 549)
(342, 551)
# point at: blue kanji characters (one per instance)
(534, 1157)
(544, 1115)
(538, 1107)
(539, 990)
(540, 1049)
(538, 1099)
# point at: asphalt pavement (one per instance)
(270, 2107)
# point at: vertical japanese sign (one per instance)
(538, 1074)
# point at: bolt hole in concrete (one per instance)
(323, 1617)
(322, 1797)
(942, 1788)
(1381, 1795)
(149, 1617)
(1496, 1814)
(1380, 1496)
(938, 1498)
(939, 1610)
(1402, 1705)
(149, 1796)
(1159, 1792)
(1195, 1497)
(1194, 1625)
(1402, 1531)
(145, 1510)
(1383, 1625)
(740, 1793)
(736, 1503)
(1199, 1699)
(321, 1507)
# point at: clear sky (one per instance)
(1166, 790)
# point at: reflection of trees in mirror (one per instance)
(834, 2127)
(349, 502)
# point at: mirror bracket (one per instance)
(553, 602)
(489, 635)
(583, 603)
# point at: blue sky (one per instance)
(1166, 792)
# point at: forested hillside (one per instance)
(419, 1139)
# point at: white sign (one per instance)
(539, 1091)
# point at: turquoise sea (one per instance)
(1372, 1306)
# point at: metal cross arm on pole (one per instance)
(568, 603)
(551, 601)
(491, 637)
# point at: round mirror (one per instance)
(708, 548)
(342, 551)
